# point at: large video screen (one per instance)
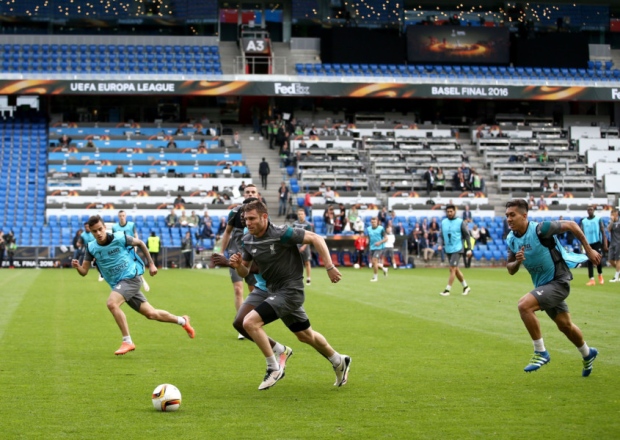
(458, 44)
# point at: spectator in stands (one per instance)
(467, 171)
(556, 187)
(236, 140)
(392, 187)
(282, 199)
(153, 243)
(187, 249)
(329, 195)
(218, 200)
(322, 188)
(475, 232)
(193, 220)
(476, 181)
(119, 171)
(171, 219)
(313, 131)
(64, 141)
(330, 220)
(302, 144)
(532, 203)
(353, 214)
(285, 155)
(424, 225)
(263, 170)
(382, 216)
(202, 147)
(90, 144)
(360, 247)
(400, 229)
(171, 144)
(469, 256)
(179, 201)
(11, 247)
(184, 219)
(389, 246)
(308, 204)
(542, 203)
(222, 228)
(440, 180)
(78, 246)
(206, 231)
(347, 186)
(484, 235)
(179, 132)
(543, 157)
(206, 217)
(342, 213)
(255, 119)
(429, 178)
(544, 184)
(412, 248)
(425, 247)
(242, 186)
(358, 225)
(2, 247)
(467, 215)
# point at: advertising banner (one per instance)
(308, 89)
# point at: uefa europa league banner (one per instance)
(319, 89)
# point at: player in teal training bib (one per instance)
(115, 258)
(535, 246)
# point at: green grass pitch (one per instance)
(423, 366)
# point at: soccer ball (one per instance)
(198, 265)
(166, 398)
(356, 266)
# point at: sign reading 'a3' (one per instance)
(255, 46)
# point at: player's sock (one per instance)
(272, 363)
(335, 359)
(127, 339)
(278, 348)
(448, 288)
(617, 275)
(584, 350)
(180, 320)
(539, 345)
(464, 283)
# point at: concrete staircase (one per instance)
(254, 149)
(229, 51)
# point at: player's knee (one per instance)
(111, 305)
(238, 324)
(150, 314)
(306, 336)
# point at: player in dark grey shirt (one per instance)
(274, 250)
(614, 244)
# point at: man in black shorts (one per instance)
(274, 249)
(231, 242)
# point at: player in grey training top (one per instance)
(304, 249)
(614, 246)
(231, 241)
(274, 249)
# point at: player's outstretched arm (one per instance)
(147, 255)
(573, 227)
(514, 261)
(82, 269)
(321, 247)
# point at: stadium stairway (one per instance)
(228, 55)
(254, 149)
